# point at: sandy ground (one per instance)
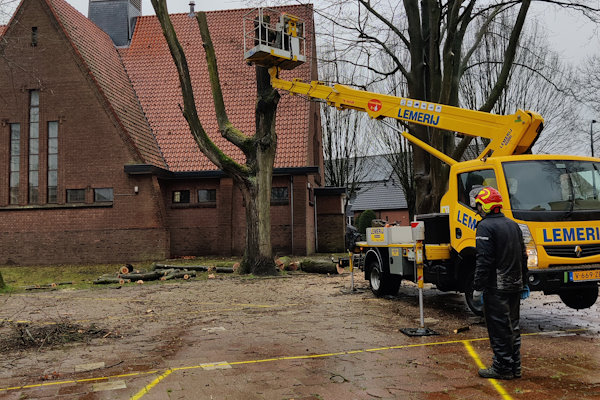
(296, 337)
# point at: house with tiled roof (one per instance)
(380, 191)
(98, 163)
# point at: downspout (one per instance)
(292, 210)
(316, 227)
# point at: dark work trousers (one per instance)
(502, 313)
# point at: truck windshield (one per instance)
(553, 190)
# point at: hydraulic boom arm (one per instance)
(508, 134)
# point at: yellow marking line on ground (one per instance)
(83, 380)
(494, 382)
(309, 356)
(149, 386)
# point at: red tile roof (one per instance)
(151, 69)
(100, 56)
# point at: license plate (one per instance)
(579, 276)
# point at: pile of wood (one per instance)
(163, 272)
(202, 268)
(127, 274)
(315, 266)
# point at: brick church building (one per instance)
(97, 163)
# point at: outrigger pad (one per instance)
(418, 332)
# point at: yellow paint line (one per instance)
(480, 364)
(149, 386)
(466, 343)
(83, 380)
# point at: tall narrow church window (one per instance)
(34, 36)
(34, 146)
(53, 162)
(15, 157)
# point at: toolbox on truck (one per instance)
(437, 227)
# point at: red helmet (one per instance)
(490, 199)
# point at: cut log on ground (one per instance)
(144, 276)
(319, 267)
(178, 274)
(203, 268)
(103, 280)
(47, 285)
(126, 269)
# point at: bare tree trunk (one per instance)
(253, 178)
(432, 35)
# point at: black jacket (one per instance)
(501, 257)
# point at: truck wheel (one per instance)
(477, 309)
(382, 283)
(580, 298)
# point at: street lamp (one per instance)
(592, 136)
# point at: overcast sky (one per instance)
(568, 32)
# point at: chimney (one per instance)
(116, 17)
(192, 13)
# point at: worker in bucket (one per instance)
(500, 282)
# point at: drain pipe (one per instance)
(292, 210)
(316, 224)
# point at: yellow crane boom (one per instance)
(508, 134)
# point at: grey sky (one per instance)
(568, 32)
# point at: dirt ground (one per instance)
(301, 336)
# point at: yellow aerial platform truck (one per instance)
(555, 199)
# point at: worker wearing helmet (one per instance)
(500, 273)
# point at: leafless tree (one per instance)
(345, 142)
(253, 177)
(588, 86)
(7, 7)
(538, 81)
(430, 45)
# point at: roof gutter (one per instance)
(148, 169)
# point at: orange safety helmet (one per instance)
(490, 200)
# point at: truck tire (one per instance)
(476, 309)
(583, 297)
(382, 283)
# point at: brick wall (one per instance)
(221, 228)
(331, 224)
(92, 151)
(400, 216)
(91, 154)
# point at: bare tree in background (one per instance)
(589, 93)
(345, 142)
(438, 38)
(253, 177)
(7, 8)
(590, 83)
(538, 81)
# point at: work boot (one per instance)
(516, 371)
(492, 373)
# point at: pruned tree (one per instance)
(429, 45)
(253, 177)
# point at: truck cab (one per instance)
(555, 200)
